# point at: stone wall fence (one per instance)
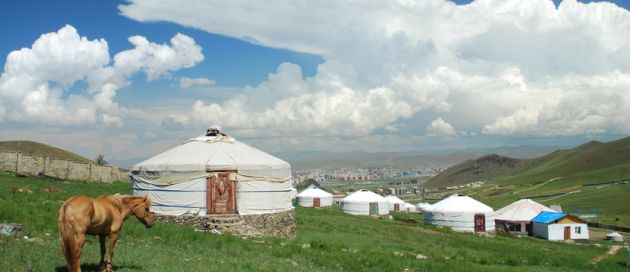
(22, 164)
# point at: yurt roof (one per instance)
(521, 210)
(394, 199)
(213, 153)
(456, 203)
(364, 196)
(314, 192)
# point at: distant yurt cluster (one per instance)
(215, 175)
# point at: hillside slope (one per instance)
(40, 149)
(590, 163)
(484, 168)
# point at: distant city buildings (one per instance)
(364, 174)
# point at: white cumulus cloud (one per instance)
(38, 84)
(440, 127)
(187, 82)
(492, 66)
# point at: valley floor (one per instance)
(327, 240)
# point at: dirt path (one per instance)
(538, 186)
(612, 251)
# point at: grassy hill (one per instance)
(39, 149)
(593, 178)
(327, 240)
(592, 162)
(484, 168)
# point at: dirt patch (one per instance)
(52, 189)
(612, 251)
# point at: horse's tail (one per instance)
(68, 243)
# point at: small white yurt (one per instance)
(293, 193)
(410, 208)
(314, 197)
(516, 218)
(461, 213)
(214, 174)
(365, 202)
(395, 203)
(421, 207)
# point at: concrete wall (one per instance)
(555, 232)
(59, 169)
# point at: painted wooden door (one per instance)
(567, 233)
(373, 208)
(480, 222)
(221, 194)
(316, 202)
(396, 207)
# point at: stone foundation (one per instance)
(281, 224)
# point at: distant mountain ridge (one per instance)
(590, 157)
(360, 159)
(40, 149)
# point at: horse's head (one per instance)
(143, 213)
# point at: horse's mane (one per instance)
(122, 197)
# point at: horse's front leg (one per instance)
(101, 240)
(113, 236)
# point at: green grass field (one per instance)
(327, 240)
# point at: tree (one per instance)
(100, 159)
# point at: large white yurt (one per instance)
(365, 202)
(314, 197)
(461, 213)
(214, 174)
(395, 203)
(516, 217)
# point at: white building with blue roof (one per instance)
(559, 226)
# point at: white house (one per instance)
(559, 226)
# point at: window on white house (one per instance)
(578, 230)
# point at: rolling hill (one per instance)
(588, 163)
(40, 149)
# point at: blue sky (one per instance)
(290, 77)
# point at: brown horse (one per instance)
(102, 216)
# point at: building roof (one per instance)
(204, 154)
(521, 210)
(456, 203)
(548, 217)
(394, 200)
(364, 196)
(314, 192)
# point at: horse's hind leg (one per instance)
(102, 239)
(80, 240)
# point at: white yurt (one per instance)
(314, 197)
(365, 202)
(461, 213)
(516, 218)
(214, 174)
(421, 207)
(395, 203)
(410, 207)
(293, 193)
